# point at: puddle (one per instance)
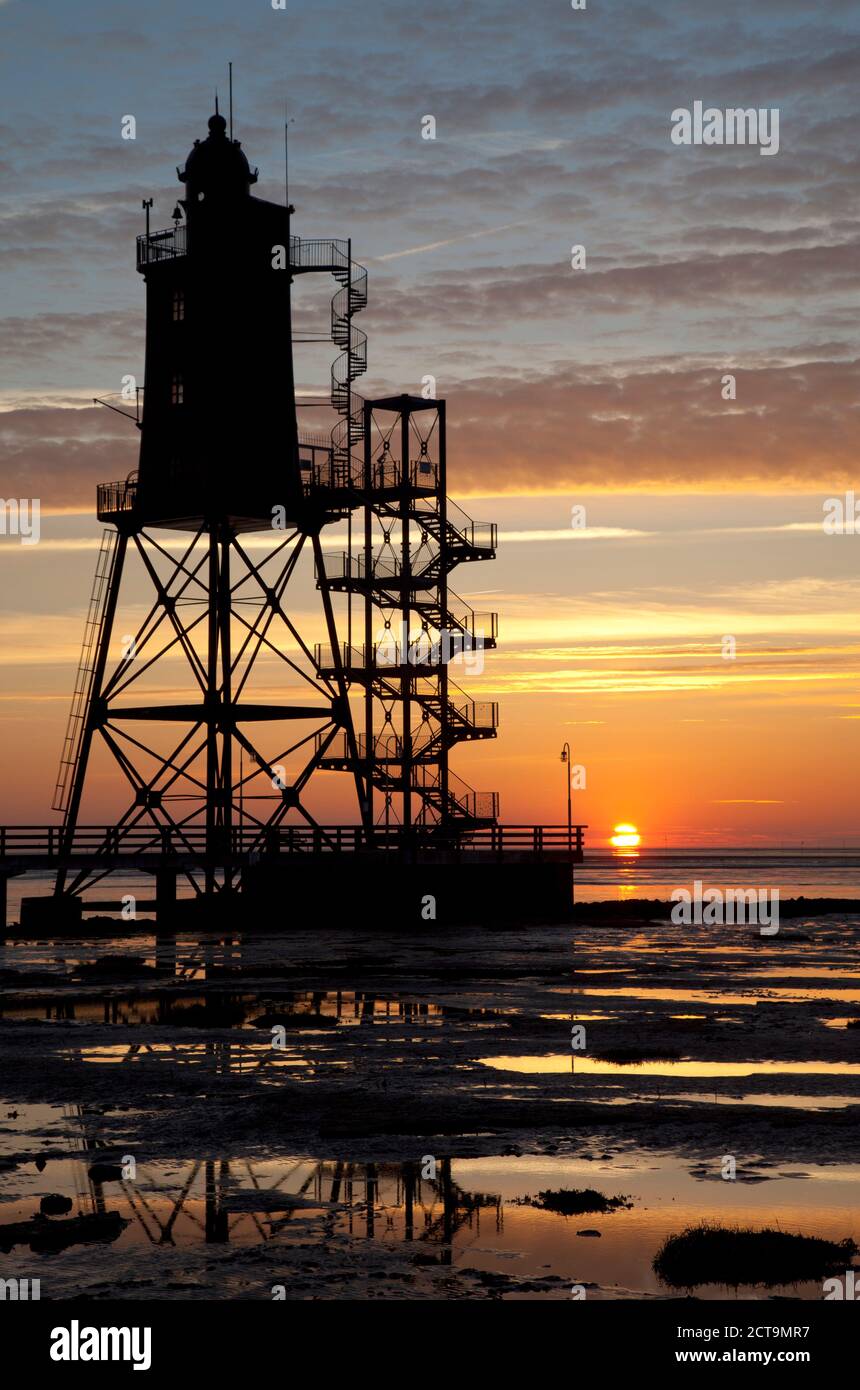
(219, 1057)
(184, 957)
(789, 1102)
(776, 995)
(473, 1214)
(347, 1008)
(803, 971)
(564, 1062)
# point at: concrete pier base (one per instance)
(387, 892)
(41, 916)
(379, 891)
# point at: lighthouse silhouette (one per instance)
(219, 436)
(224, 703)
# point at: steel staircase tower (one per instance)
(414, 625)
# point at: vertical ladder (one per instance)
(86, 668)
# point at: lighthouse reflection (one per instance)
(243, 1201)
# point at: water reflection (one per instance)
(243, 1201)
(225, 1009)
(470, 1213)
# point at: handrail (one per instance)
(386, 655)
(111, 843)
(165, 245)
(318, 253)
(116, 497)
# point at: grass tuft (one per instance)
(577, 1201)
(733, 1255)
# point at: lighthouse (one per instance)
(228, 705)
(219, 437)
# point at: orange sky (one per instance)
(611, 639)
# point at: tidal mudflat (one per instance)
(422, 1095)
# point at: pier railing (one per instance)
(34, 846)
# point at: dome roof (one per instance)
(217, 166)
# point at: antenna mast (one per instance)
(287, 123)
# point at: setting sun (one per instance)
(625, 836)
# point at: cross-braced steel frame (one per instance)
(221, 613)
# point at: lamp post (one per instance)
(566, 759)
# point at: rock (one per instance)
(106, 1172)
(53, 1204)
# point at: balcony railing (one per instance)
(462, 799)
(478, 535)
(422, 651)
(318, 253)
(346, 566)
(112, 498)
(478, 629)
(476, 714)
(313, 254)
(320, 468)
(387, 747)
(161, 246)
(387, 473)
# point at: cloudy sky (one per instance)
(598, 386)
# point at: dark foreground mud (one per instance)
(386, 1071)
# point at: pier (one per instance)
(494, 871)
